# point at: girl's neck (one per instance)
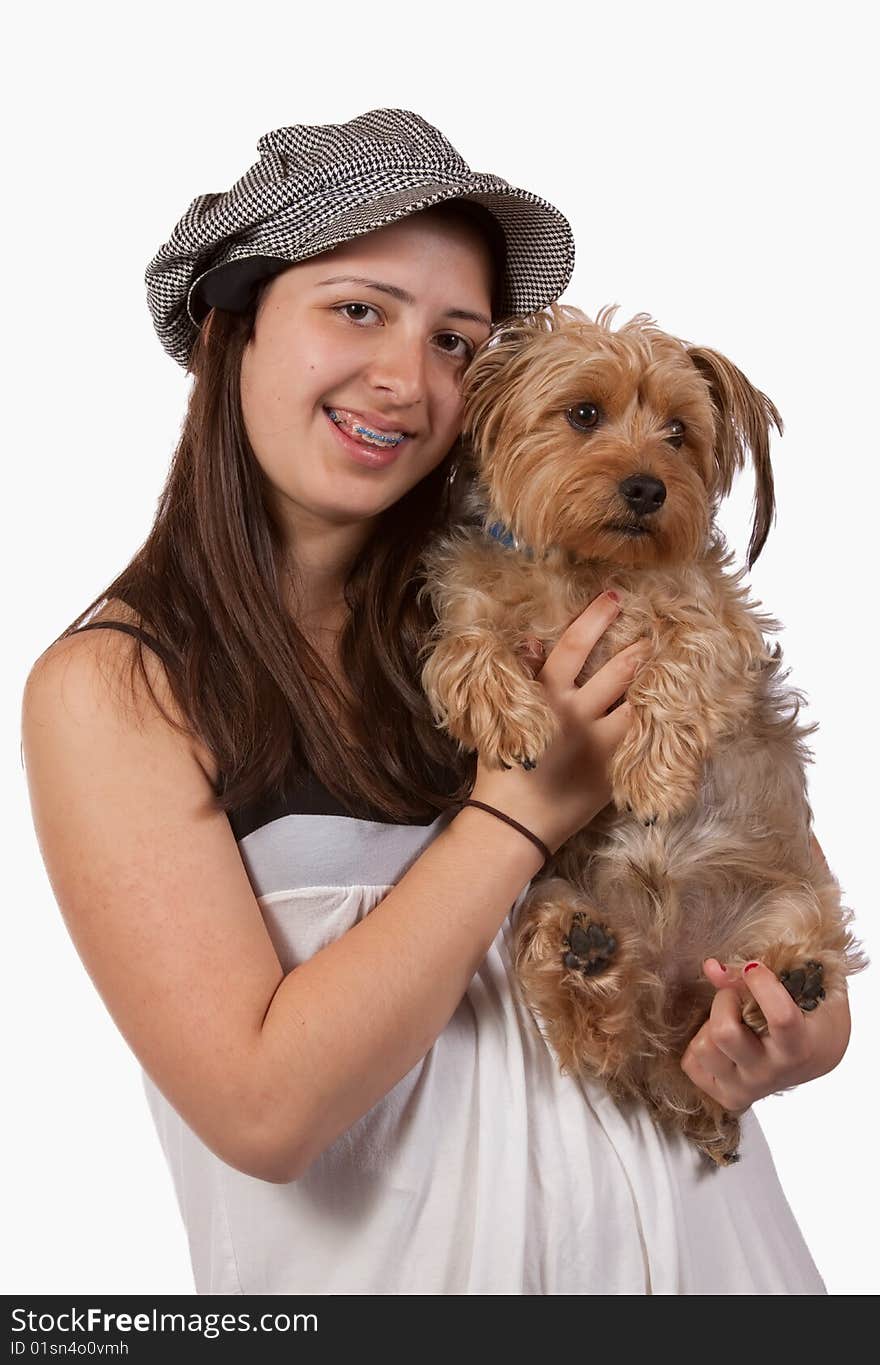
(316, 560)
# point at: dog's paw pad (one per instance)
(804, 984)
(589, 946)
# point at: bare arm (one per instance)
(150, 883)
(269, 1069)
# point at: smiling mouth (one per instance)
(383, 439)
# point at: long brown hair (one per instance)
(207, 584)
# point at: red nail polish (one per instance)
(615, 596)
(749, 965)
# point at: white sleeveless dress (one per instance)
(484, 1171)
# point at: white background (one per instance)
(716, 162)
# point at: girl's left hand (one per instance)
(735, 1066)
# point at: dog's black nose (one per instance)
(643, 493)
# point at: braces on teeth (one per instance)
(375, 437)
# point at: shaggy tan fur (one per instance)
(705, 849)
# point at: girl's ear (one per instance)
(743, 418)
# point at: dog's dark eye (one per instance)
(583, 416)
(676, 433)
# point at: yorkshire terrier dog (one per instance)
(600, 459)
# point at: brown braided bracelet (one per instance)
(539, 843)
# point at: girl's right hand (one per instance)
(571, 782)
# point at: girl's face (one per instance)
(378, 331)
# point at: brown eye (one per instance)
(676, 433)
(583, 416)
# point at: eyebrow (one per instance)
(397, 293)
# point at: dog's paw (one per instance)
(486, 701)
(718, 1156)
(637, 792)
(653, 776)
(804, 984)
(589, 946)
(644, 805)
(517, 737)
(713, 1131)
(486, 698)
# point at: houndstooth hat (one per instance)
(314, 187)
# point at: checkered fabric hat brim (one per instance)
(317, 186)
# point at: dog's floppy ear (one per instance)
(743, 418)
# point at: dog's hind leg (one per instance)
(802, 934)
(574, 967)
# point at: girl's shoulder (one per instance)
(91, 668)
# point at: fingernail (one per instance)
(749, 965)
(615, 597)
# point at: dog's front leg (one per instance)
(697, 689)
(482, 693)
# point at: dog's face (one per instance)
(617, 446)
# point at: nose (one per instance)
(398, 366)
(643, 494)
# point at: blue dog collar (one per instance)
(500, 533)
